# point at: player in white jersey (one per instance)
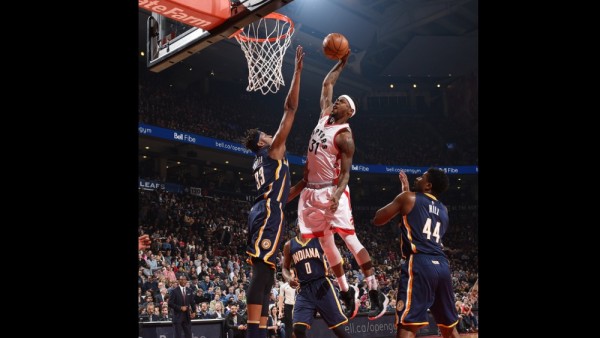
(324, 206)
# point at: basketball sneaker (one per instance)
(350, 299)
(379, 302)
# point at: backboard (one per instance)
(177, 29)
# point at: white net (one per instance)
(264, 43)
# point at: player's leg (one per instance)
(300, 330)
(407, 331)
(328, 304)
(304, 310)
(335, 259)
(261, 275)
(414, 289)
(443, 309)
(264, 230)
(343, 224)
(264, 315)
(348, 293)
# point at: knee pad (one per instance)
(352, 243)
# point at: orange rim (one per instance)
(276, 16)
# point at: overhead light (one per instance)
(438, 85)
(414, 85)
(392, 85)
(178, 162)
(226, 162)
(147, 147)
(144, 156)
(142, 53)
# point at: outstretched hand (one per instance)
(299, 58)
(345, 57)
(144, 242)
(404, 181)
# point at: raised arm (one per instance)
(402, 204)
(403, 181)
(277, 149)
(329, 82)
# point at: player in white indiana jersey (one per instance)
(324, 206)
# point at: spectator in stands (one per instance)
(144, 242)
(215, 301)
(161, 296)
(230, 296)
(200, 297)
(194, 284)
(150, 284)
(150, 316)
(164, 314)
(149, 299)
(206, 283)
(219, 311)
(275, 326)
(425, 221)
(242, 301)
(235, 324)
(265, 220)
(204, 313)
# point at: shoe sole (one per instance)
(384, 308)
(356, 302)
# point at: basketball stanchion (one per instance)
(264, 43)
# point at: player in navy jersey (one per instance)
(425, 278)
(316, 291)
(265, 220)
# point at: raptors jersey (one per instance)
(323, 155)
(272, 177)
(424, 226)
(308, 260)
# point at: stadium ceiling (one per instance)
(392, 41)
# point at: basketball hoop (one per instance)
(264, 43)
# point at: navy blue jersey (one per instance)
(272, 177)
(424, 226)
(425, 278)
(308, 259)
(316, 293)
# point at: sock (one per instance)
(372, 282)
(343, 282)
(253, 331)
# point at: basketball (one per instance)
(335, 46)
